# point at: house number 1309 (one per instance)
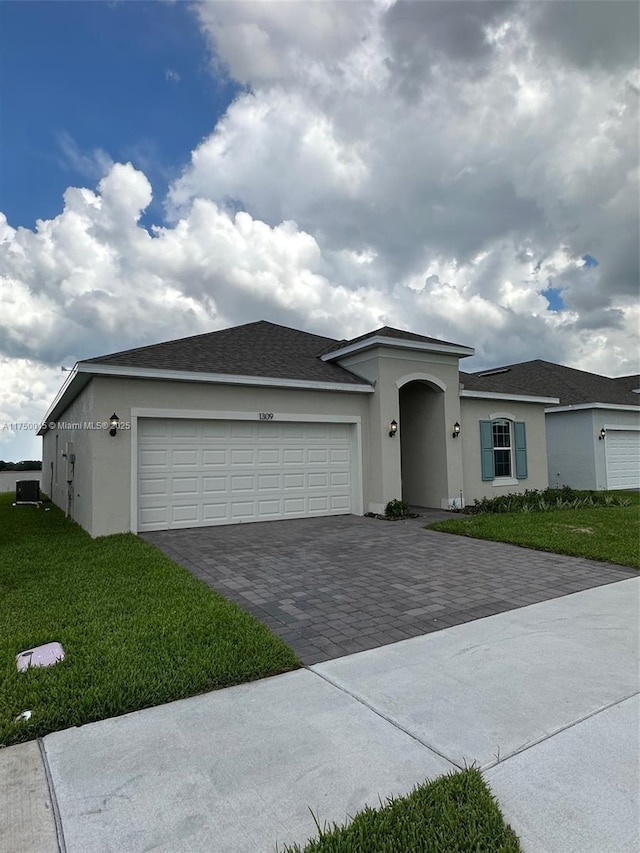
(265, 416)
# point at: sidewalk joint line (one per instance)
(57, 819)
(389, 720)
(553, 734)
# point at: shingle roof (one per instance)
(546, 379)
(254, 349)
(390, 332)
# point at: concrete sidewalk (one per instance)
(544, 698)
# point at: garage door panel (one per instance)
(180, 458)
(243, 429)
(155, 486)
(320, 504)
(184, 485)
(318, 480)
(240, 471)
(243, 483)
(214, 484)
(153, 518)
(184, 429)
(268, 509)
(340, 478)
(242, 509)
(340, 502)
(184, 514)
(153, 458)
(214, 429)
(245, 456)
(294, 481)
(267, 482)
(215, 512)
(214, 457)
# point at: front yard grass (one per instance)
(137, 629)
(610, 533)
(455, 813)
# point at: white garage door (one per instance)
(196, 473)
(622, 449)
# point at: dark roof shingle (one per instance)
(255, 349)
(546, 379)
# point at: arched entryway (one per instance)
(423, 442)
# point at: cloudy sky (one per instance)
(466, 170)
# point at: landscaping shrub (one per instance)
(397, 509)
(534, 500)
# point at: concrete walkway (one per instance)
(334, 586)
(544, 698)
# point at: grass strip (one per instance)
(453, 814)
(137, 629)
(610, 534)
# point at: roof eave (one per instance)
(398, 343)
(516, 398)
(83, 372)
(583, 406)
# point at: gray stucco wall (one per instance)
(472, 412)
(577, 457)
(571, 445)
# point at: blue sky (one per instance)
(332, 166)
(129, 79)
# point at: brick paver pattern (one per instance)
(334, 586)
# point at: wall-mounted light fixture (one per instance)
(602, 434)
(393, 428)
(456, 430)
(114, 421)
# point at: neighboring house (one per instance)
(593, 435)
(261, 422)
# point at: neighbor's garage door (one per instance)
(195, 473)
(622, 449)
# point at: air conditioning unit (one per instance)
(27, 492)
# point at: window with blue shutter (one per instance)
(486, 445)
(521, 449)
(503, 442)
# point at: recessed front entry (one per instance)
(196, 473)
(423, 444)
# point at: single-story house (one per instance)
(262, 422)
(593, 433)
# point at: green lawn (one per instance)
(454, 814)
(608, 533)
(137, 629)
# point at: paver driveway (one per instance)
(333, 586)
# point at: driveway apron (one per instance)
(335, 586)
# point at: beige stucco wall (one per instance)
(391, 368)
(112, 457)
(472, 412)
(72, 426)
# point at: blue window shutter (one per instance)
(521, 450)
(486, 443)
